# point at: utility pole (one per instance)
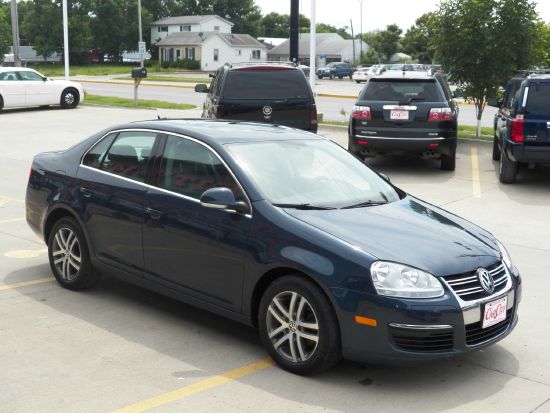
(353, 41)
(66, 39)
(294, 29)
(15, 33)
(141, 51)
(312, 45)
(361, 28)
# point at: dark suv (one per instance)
(405, 112)
(277, 93)
(522, 124)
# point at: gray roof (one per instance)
(325, 43)
(192, 38)
(177, 20)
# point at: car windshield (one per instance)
(311, 173)
(265, 84)
(538, 100)
(398, 90)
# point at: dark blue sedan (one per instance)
(278, 228)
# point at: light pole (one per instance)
(66, 39)
(15, 33)
(361, 29)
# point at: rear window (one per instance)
(265, 84)
(396, 90)
(538, 100)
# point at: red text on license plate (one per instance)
(399, 114)
(494, 312)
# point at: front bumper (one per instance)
(420, 330)
(364, 145)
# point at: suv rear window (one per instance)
(265, 84)
(398, 90)
(538, 100)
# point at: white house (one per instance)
(329, 47)
(194, 24)
(213, 49)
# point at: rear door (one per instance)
(280, 96)
(12, 89)
(400, 108)
(536, 110)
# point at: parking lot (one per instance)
(120, 348)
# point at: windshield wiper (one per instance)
(365, 204)
(302, 206)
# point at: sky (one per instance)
(377, 14)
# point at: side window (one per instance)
(8, 76)
(31, 76)
(189, 168)
(95, 156)
(129, 154)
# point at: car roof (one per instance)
(15, 69)
(262, 66)
(221, 132)
(398, 75)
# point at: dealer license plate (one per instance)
(399, 114)
(494, 312)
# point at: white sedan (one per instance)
(26, 87)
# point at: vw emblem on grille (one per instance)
(486, 280)
(267, 110)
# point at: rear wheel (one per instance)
(70, 98)
(331, 76)
(448, 162)
(298, 326)
(340, 77)
(1, 103)
(508, 169)
(69, 257)
(357, 81)
(496, 149)
(319, 76)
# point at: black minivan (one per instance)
(277, 93)
(405, 112)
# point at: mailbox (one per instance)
(139, 73)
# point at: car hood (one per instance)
(410, 232)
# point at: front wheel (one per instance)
(1, 103)
(69, 257)
(70, 98)
(331, 76)
(319, 76)
(298, 326)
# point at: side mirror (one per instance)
(494, 102)
(201, 88)
(223, 198)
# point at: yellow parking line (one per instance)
(26, 283)
(7, 221)
(196, 387)
(476, 185)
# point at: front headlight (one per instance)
(506, 259)
(397, 280)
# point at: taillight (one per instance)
(361, 112)
(313, 114)
(438, 114)
(218, 111)
(517, 129)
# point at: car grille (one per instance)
(468, 287)
(476, 335)
(422, 340)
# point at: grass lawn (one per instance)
(93, 70)
(172, 79)
(129, 103)
(464, 132)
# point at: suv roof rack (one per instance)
(529, 72)
(267, 63)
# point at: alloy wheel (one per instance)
(292, 326)
(66, 253)
(69, 98)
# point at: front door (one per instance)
(187, 246)
(39, 91)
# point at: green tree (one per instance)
(387, 41)
(43, 27)
(5, 31)
(278, 25)
(327, 28)
(473, 51)
(420, 41)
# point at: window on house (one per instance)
(178, 54)
(216, 28)
(190, 53)
(185, 28)
(238, 52)
(256, 54)
(163, 29)
(216, 54)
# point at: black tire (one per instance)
(319, 76)
(496, 149)
(1, 103)
(357, 81)
(448, 162)
(331, 76)
(508, 169)
(70, 98)
(351, 77)
(309, 356)
(67, 242)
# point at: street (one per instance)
(121, 347)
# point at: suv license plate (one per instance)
(399, 114)
(494, 312)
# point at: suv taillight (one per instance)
(438, 114)
(517, 129)
(218, 111)
(361, 112)
(313, 114)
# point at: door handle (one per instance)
(86, 193)
(153, 213)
